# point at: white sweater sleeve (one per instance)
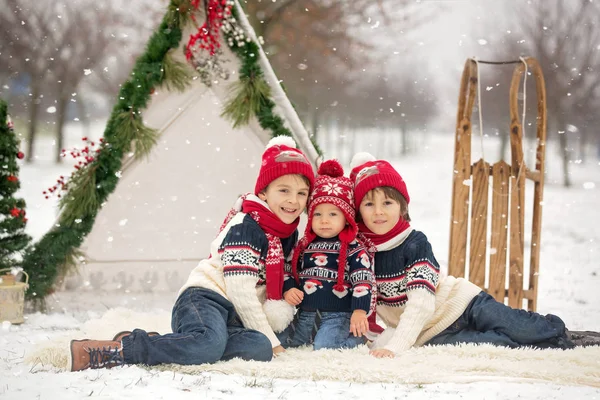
(419, 309)
(240, 255)
(241, 290)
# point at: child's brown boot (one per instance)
(94, 354)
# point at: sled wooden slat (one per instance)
(516, 246)
(462, 173)
(499, 236)
(538, 187)
(479, 211)
(506, 185)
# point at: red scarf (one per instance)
(274, 229)
(376, 239)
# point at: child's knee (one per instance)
(261, 349)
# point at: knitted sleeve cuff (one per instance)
(362, 303)
(289, 283)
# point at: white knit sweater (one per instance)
(412, 297)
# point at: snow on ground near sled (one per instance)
(569, 281)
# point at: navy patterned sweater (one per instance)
(409, 266)
(318, 273)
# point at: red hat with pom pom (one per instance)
(331, 187)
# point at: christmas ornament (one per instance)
(207, 36)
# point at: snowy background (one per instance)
(569, 281)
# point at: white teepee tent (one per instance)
(160, 219)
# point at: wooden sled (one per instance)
(469, 222)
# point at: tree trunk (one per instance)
(582, 145)
(563, 143)
(61, 116)
(34, 107)
(404, 136)
(354, 149)
(314, 123)
(83, 116)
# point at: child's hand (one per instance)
(293, 296)
(359, 325)
(278, 350)
(382, 353)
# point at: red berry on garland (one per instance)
(152, 90)
(15, 212)
(20, 155)
(12, 178)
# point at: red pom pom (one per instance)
(20, 155)
(332, 168)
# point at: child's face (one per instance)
(286, 197)
(328, 220)
(379, 212)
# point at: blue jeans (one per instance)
(488, 321)
(333, 331)
(206, 329)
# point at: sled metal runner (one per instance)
(504, 184)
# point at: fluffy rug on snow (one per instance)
(431, 364)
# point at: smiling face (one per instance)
(328, 220)
(379, 212)
(286, 197)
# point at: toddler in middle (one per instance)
(331, 277)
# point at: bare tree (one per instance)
(58, 45)
(316, 45)
(26, 51)
(564, 37)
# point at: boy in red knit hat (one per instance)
(221, 312)
(332, 277)
(419, 306)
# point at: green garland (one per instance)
(57, 251)
(52, 255)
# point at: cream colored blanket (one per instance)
(431, 364)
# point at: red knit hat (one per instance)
(281, 157)
(331, 187)
(369, 173)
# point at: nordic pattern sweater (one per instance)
(318, 273)
(411, 296)
(235, 269)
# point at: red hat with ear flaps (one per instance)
(331, 187)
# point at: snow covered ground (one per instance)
(569, 281)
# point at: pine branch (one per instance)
(72, 260)
(81, 200)
(176, 75)
(246, 99)
(179, 13)
(131, 129)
